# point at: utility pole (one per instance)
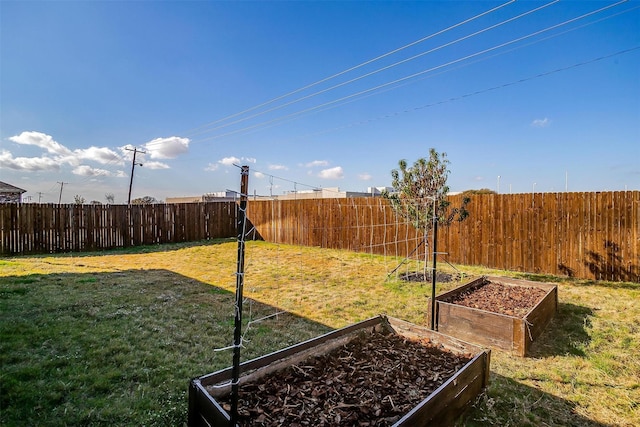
(39, 196)
(133, 166)
(61, 185)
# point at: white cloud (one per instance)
(30, 164)
(259, 175)
(101, 155)
(541, 123)
(85, 170)
(317, 163)
(332, 173)
(249, 159)
(229, 161)
(365, 177)
(41, 140)
(155, 165)
(63, 155)
(164, 148)
(278, 168)
(211, 167)
(167, 148)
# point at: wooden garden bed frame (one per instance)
(515, 334)
(442, 407)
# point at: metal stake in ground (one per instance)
(237, 330)
(434, 273)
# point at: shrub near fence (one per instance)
(31, 228)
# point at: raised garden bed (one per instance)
(498, 312)
(379, 372)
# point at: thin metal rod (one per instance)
(406, 258)
(434, 272)
(237, 329)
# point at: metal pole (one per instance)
(60, 196)
(433, 272)
(237, 329)
(133, 166)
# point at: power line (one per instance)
(481, 91)
(357, 66)
(395, 64)
(412, 76)
(408, 110)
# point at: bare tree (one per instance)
(110, 198)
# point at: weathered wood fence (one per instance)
(585, 235)
(31, 228)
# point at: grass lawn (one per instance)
(113, 338)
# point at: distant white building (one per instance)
(329, 193)
(218, 196)
(377, 191)
(315, 193)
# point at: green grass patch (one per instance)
(114, 338)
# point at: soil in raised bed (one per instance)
(373, 380)
(498, 298)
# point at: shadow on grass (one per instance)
(565, 334)
(509, 402)
(577, 282)
(120, 348)
(142, 249)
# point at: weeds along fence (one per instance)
(583, 235)
(31, 228)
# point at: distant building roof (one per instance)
(8, 188)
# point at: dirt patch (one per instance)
(422, 277)
(498, 298)
(373, 380)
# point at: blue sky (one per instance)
(523, 95)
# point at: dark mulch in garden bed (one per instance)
(373, 380)
(498, 298)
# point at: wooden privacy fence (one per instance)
(45, 228)
(584, 235)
